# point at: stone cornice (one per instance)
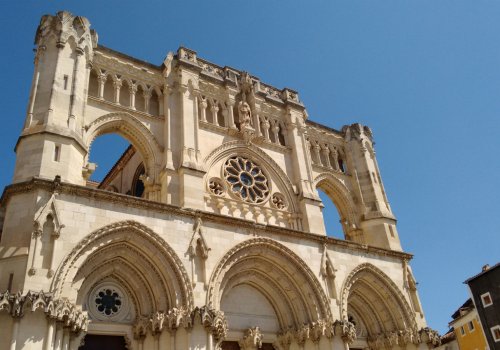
(87, 192)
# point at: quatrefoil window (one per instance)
(246, 179)
(108, 302)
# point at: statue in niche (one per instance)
(245, 114)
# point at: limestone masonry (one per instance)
(208, 232)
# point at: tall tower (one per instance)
(51, 142)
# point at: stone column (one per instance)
(147, 98)
(215, 110)
(15, 331)
(101, 79)
(59, 336)
(117, 84)
(76, 73)
(49, 338)
(66, 338)
(132, 90)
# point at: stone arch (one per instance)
(341, 197)
(377, 300)
(233, 148)
(134, 131)
(277, 273)
(113, 248)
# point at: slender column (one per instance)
(15, 331)
(132, 89)
(50, 335)
(172, 339)
(117, 84)
(140, 342)
(214, 110)
(50, 110)
(66, 338)
(59, 337)
(210, 341)
(147, 98)
(72, 118)
(230, 109)
(101, 78)
(34, 87)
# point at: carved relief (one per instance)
(252, 339)
(59, 309)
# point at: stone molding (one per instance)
(244, 249)
(67, 267)
(409, 315)
(212, 320)
(402, 338)
(134, 202)
(58, 309)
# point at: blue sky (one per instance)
(424, 75)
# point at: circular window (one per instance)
(108, 301)
(246, 179)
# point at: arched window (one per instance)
(137, 184)
(125, 94)
(331, 217)
(117, 170)
(109, 90)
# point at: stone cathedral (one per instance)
(208, 232)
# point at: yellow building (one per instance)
(468, 331)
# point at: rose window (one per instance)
(107, 301)
(246, 179)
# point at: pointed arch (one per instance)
(134, 131)
(377, 300)
(341, 197)
(277, 273)
(270, 166)
(158, 269)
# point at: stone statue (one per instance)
(245, 114)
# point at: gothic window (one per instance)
(246, 179)
(137, 184)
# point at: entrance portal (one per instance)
(103, 342)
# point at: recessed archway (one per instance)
(266, 270)
(132, 254)
(376, 301)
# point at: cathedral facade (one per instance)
(208, 232)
